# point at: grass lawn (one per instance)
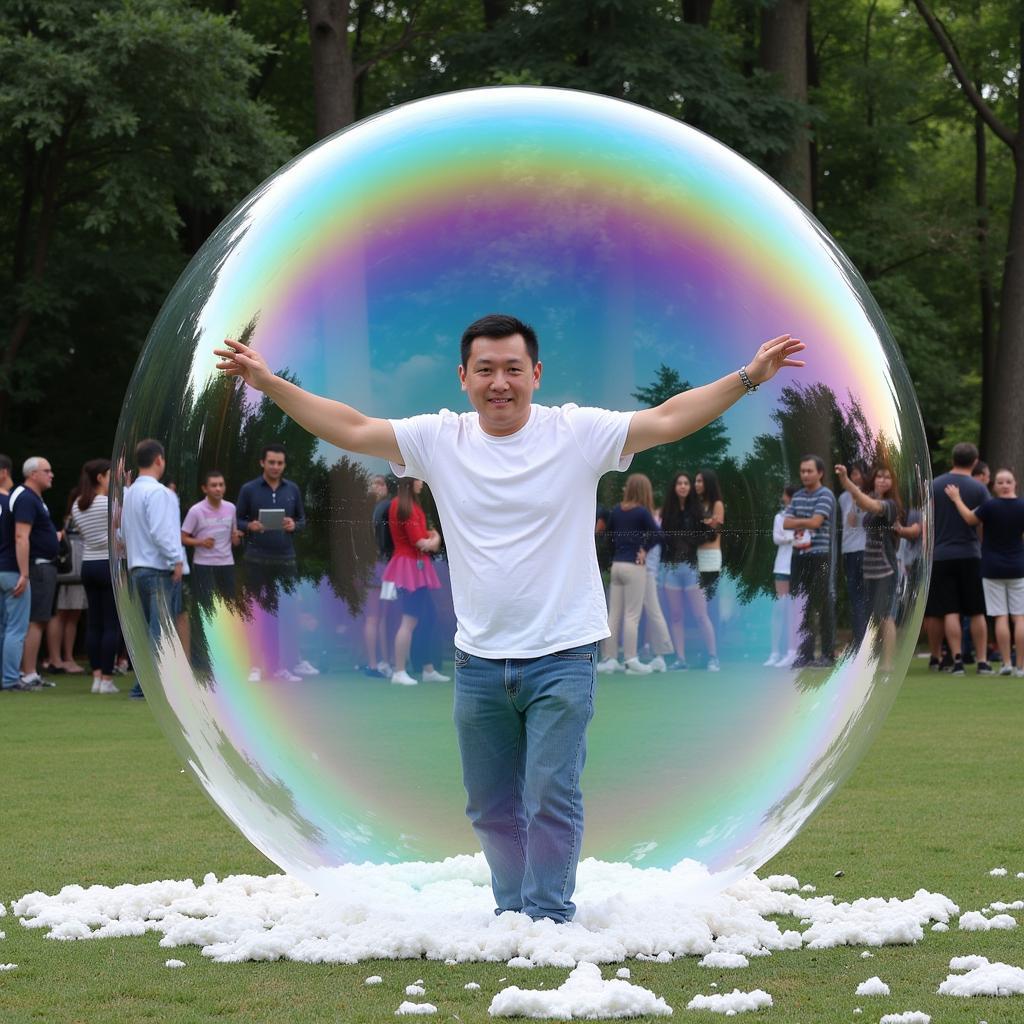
(94, 793)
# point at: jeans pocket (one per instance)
(584, 653)
(461, 658)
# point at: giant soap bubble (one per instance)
(647, 256)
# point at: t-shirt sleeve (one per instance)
(889, 511)
(823, 505)
(984, 510)
(191, 524)
(601, 436)
(417, 440)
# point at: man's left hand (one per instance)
(289, 524)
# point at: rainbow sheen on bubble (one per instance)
(631, 242)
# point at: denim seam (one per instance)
(574, 787)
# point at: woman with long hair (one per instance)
(1002, 561)
(658, 637)
(784, 632)
(89, 514)
(881, 502)
(412, 574)
(712, 509)
(683, 530)
(632, 530)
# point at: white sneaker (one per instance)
(787, 661)
(384, 668)
(107, 686)
(609, 665)
(255, 675)
(1019, 673)
(773, 660)
(31, 679)
(95, 684)
(402, 678)
(635, 667)
(285, 676)
(657, 664)
(433, 676)
(305, 669)
(713, 665)
(1006, 670)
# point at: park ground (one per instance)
(93, 793)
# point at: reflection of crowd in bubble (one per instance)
(662, 565)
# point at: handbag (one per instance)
(388, 591)
(63, 560)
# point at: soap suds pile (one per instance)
(443, 911)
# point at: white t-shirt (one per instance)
(518, 516)
(784, 541)
(854, 537)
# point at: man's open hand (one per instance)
(238, 360)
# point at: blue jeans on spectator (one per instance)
(856, 591)
(13, 627)
(154, 589)
(522, 731)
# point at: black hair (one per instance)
(980, 468)
(6, 463)
(210, 474)
(678, 520)
(965, 455)
(818, 461)
(499, 325)
(712, 490)
(274, 446)
(88, 483)
(789, 490)
(147, 452)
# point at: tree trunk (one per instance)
(1004, 426)
(986, 295)
(333, 71)
(784, 53)
(697, 12)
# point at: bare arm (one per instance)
(687, 412)
(334, 422)
(862, 500)
(953, 493)
(21, 542)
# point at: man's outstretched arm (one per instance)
(334, 422)
(687, 412)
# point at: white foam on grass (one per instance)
(976, 921)
(983, 978)
(471, 986)
(731, 1003)
(623, 972)
(8, 967)
(908, 1017)
(422, 1009)
(373, 979)
(444, 911)
(174, 963)
(729, 961)
(874, 986)
(998, 872)
(415, 990)
(583, 995)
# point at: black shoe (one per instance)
(946, 665)
(934, 664)
(985, 669)
(958, 667)
(968, 659)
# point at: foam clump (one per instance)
(976, 921)
(731, 1003)
(444, 912)
(983, 978)
(583, 995)
(174, 963)
(908, 1017)
(421, 1009)
(874, 986)
(728, 961)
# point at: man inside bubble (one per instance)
(515, 485)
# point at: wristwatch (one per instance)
(746, 381)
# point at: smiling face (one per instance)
(500, 379)
(883, 483)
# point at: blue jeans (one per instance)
(13, 627)
(154, 589)
(522, 731)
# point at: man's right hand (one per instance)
(238, 360)
(20, 587)
(255, 526)
(207, 542)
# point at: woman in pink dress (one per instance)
(411, 571)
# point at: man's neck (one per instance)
(960, 471)
(214, 502)
(151, 473)
(273, 484)
(816, 487)
(34, 488)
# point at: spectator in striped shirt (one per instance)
(90, 513)
(812, 515)
(880, 501)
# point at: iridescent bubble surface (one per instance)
(645, 254)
